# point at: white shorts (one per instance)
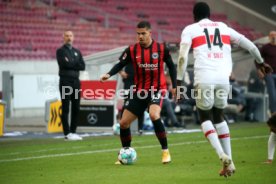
(211, 95)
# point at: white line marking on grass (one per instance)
(111, 150)
(66, 148)
(59, 155)
(74, 147)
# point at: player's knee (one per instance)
(154, 116)
(124, 124)
(204, 115)
(218, 115)
(218, 118)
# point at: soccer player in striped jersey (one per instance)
(148, 58)
(210, 42)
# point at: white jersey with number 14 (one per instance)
(210, 42)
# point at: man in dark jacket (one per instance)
(70, 62)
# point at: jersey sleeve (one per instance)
(235, 36)
(186, 37)
(169, 62)
(124, 59)
(125, 56)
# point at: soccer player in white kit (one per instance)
(210, 42)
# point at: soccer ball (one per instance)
(127, 155)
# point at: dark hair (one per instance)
(144, 24)
(201, 11)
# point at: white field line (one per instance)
(111, 150)
(71, 148)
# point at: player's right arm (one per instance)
(123, 61)
(185, 46)
(182, 60)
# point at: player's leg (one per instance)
(204, 103)
(125, 134)
(222, 130)
(140, 117)
(140, 124)
(154, 112)
(159, 128)
(271, 144)
(132, 109)
(224, 138)
(210, 131)
(221, 96)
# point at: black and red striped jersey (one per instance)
(148, 65)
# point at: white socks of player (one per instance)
(271, 145)
(211, 134)
(224, 137)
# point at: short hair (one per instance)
(201, 10)
(144, 24)
(67, 30)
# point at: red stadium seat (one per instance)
(31, 28)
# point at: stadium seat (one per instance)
(38, 27)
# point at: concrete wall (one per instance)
(40, 68)
(28, 67)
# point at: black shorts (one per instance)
(138, 103)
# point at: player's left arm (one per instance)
(262, 68)
(169, 62)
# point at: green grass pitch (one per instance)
(55, 161)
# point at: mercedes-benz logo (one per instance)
(92, 118)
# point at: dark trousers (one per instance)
(168, 107)
(271, 90)
(69, 91)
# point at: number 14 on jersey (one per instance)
(216, 39)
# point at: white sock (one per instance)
(271, 145)
(211, 134)
(224, 137)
